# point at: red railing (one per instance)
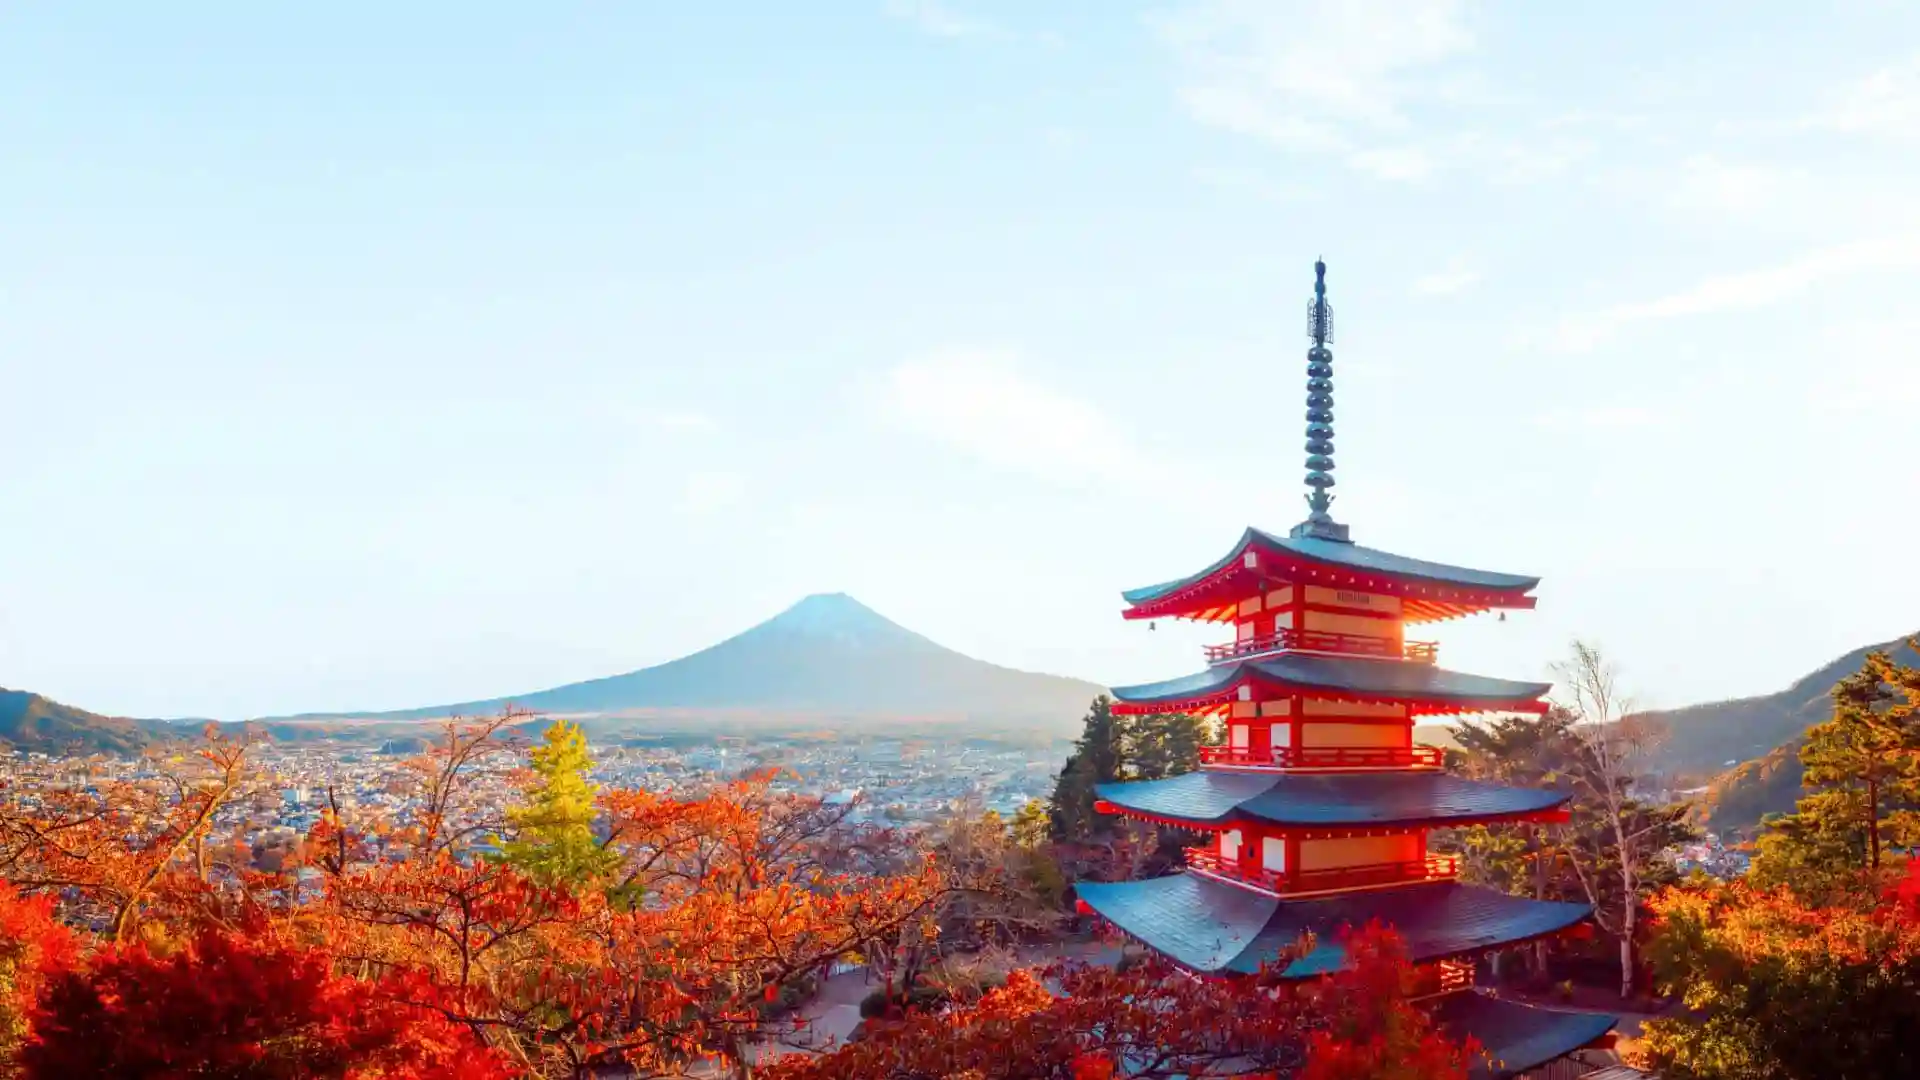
(1326, 641)
(1431, 868)
(1327, 757)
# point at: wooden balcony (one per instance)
(1325, 641)
(1326, 757)
(1207, 861)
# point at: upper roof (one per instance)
(1513, 1037)
(1213, 927)
(1339, 676)
(1430, 587)
(1211, 797)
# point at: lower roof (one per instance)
(1213, 927)
(1414, 798)
(1337, 676)
(1514, 1037)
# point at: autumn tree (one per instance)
(34, 948)
(113, 852)
(1776, 988)
(1155, 1022)
(554, 840)
(244, 1007)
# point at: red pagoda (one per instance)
(1318, 807)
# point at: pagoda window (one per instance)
(1244, 632)
(1273, 854)
(1239, 736)
(1230, 845)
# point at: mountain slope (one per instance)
(1713, 736)
(828, 654)
(31, 722)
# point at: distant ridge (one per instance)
(828, 655)
(1761, 738)
(31, 722)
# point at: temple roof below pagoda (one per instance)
(1338, 676)
(1513, 1037)
(1379, 567)
(1212, 797)
(1213, 927)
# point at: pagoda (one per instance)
(1317, 808)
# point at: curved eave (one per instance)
(1308, 804)
(1214, 928)
(1334, 679)
(1430, 591)
(1515, 1038)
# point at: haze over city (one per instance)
(471, 355)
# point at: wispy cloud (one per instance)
(1744, 291)
(1457, 277)
(1329, 78)
(1707, 184)
(933, 17)
(1885, 104)
(979, 402)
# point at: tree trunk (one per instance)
(1630, 903)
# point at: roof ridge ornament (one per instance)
(1320, 524)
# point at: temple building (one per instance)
(1317, 808)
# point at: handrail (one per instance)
(1282, 882)
(1327, 757)
(1326, 641)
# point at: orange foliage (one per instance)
(1156, 1021)
(416, 956)
(228, 1005)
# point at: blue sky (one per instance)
(381, 355)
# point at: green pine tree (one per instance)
(1165, 744)
(1862, 772)
(554, 842)
(1096, 759)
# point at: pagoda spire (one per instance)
(1320, 523)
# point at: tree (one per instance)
(1096, 759)
(241, 1007)
(1870, 749)
(1615, 746)
(555, 841)
(1522, 751)
(1778, 989)
(34, 947)
(1162, 745)
(1155, 1022)
(113, 852)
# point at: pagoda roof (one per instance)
(1513, 1037)
(1340, 677)
(1431, 590)
(1333, 800)
(1216, 928)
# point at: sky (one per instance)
(366, 356)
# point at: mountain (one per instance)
(31, 722)
(828, 656)
(1757, 740)
(1718, 735)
